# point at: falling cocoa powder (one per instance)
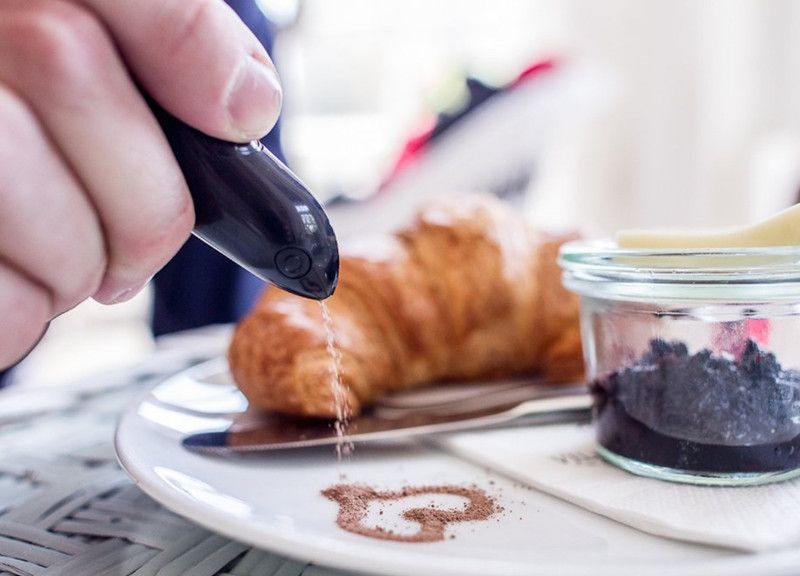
(354, 500)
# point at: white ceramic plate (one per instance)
(273, 501)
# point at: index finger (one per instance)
(199, 61)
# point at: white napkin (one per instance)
(561, 461)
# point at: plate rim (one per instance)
(392, 563)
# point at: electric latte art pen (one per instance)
(250, 207)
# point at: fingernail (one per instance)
(255, 99)
(112, 293)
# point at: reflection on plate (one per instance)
(274, 501)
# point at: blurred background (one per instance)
(593, 114)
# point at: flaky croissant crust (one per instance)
(469, 291)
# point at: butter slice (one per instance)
(782, 229)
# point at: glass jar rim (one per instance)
(711, 273)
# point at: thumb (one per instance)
(199, 61)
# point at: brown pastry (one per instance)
(469, 291)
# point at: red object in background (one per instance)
(413, 147)
(417, 144)
(534, 69)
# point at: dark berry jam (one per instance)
(702, 412)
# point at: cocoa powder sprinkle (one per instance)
(354, 500)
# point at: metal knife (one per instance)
(274, 432)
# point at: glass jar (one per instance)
(693, 358)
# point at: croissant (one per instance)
(468, 291)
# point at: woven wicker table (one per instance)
(67, 509)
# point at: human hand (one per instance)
(92, 202)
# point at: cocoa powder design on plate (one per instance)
(354, 500)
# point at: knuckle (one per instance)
(169, 228)
(183, 218)
(186, 29)
(86, 253)
(80, 287)
(188, 24)
(15, 118)
(25, 309)
(65, 43)
(73, 266)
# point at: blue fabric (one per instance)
(199, 286)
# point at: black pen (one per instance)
(254, 210)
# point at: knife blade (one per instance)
(275, 432)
